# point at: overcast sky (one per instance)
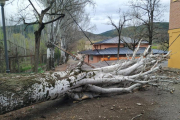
(98, 15)
(106, 8)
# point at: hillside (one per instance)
(113, 33)
(93, 37)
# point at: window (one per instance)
(108, 56)
(91, 57)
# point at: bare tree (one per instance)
(123, 18)
(69, 28)
(58, 8)
(135, 32)
(40, 20)
(148, 11)
(53, 36)
(81, 45)
(163, 40)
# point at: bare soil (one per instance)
(122, 107)
(140, 105)
(149, 104)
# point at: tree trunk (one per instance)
(150, 43)
(67, 57)
(50, 50)
(119, 42)
(151, 31)
(48, 59)
(37, 46)
(52, 58)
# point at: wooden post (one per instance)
(17, 60)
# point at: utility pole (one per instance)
(2, 3)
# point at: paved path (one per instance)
(63, 67)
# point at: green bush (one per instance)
(40, 70)
(163, 47)
(41, 64)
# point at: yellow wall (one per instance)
(174, 61)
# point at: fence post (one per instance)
(9, 63)
(17, 60)
(5, 41)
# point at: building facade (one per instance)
(106, 50)
(174, 34)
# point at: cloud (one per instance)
(110, 8)
(103, 8)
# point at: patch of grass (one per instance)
(160, 46)
(154, 47)
(73, 52)
(25, 68)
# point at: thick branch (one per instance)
(61, 16)
(97, 89)
(34, 8)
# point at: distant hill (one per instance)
(113, 33)
(163, 25)
(93, 37)
(110, 33)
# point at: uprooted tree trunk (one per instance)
(122, 77)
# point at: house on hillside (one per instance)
(174, 34)
(107, 50)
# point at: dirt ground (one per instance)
(149, 104)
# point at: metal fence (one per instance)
(15, 49)
(20, 58)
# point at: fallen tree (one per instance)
(123, 77)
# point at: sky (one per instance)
(104, 8)
(98, 14)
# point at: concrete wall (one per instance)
(95, 59)
(143, 45)
(99, 58)
(174, 61)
